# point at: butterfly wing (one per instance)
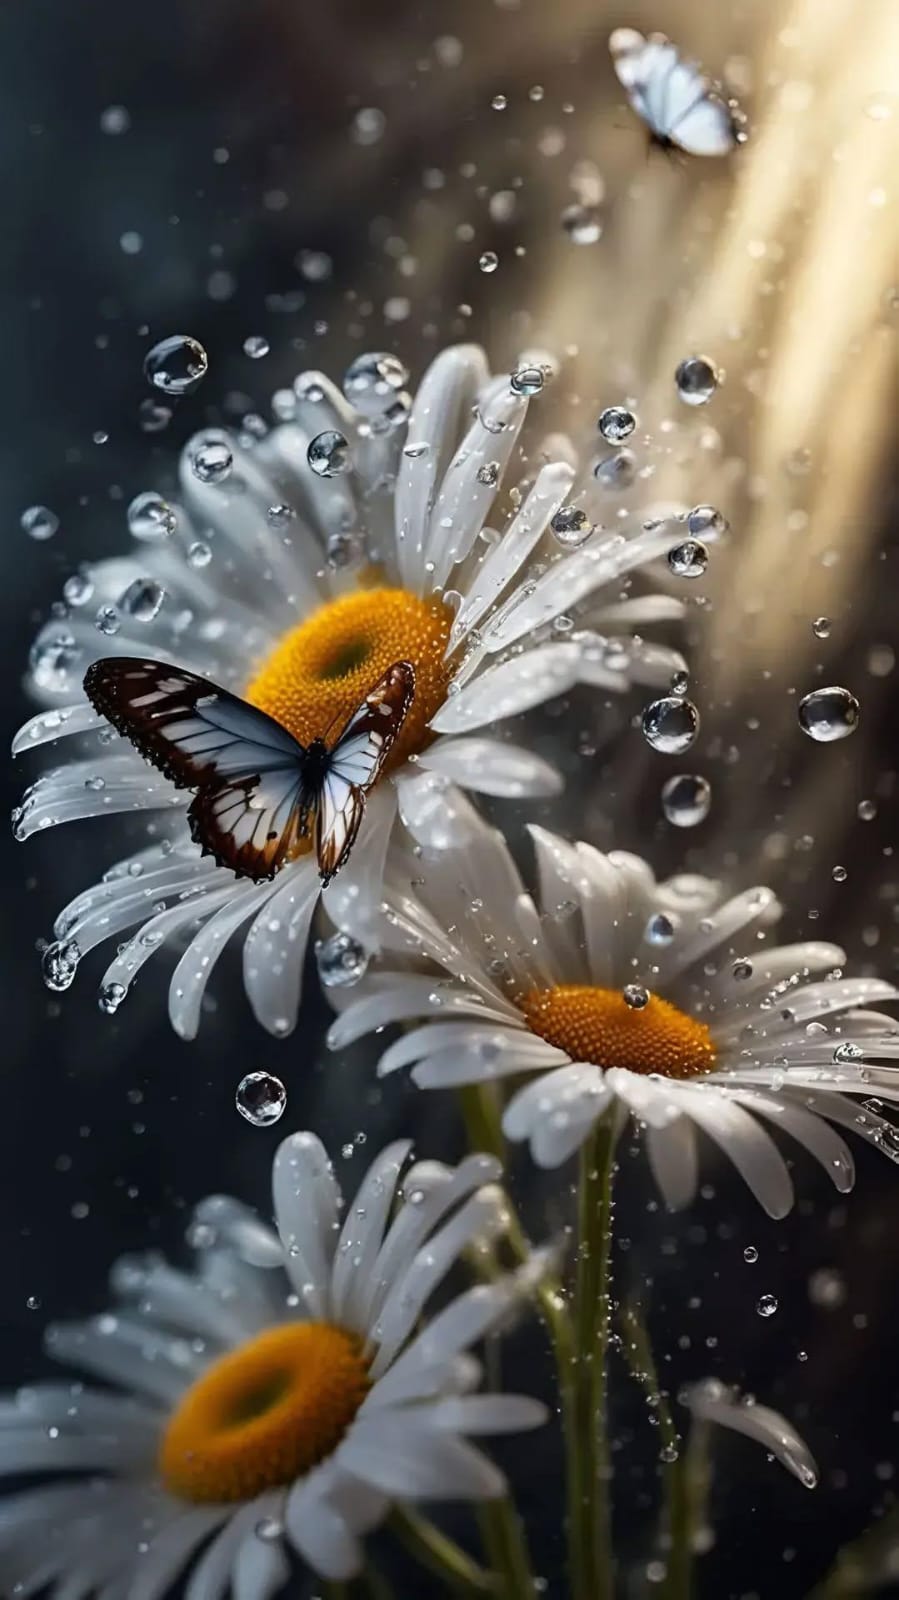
(673, 97)
(251, 802)
(356, 762)
(705, 127)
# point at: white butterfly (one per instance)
(676, 101)
(257, 786)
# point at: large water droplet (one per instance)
(571, 526)
(341, 961)
(686, 799)
(670, 724)
(261, 1098)
(176, 365)
(697, 380)
(373, 382)
(77, 589)
(689, 559)
(635, 996)
(659, 930)
(151, 517)
(142, 599)
(211, 458)
(39, 522)
(617, 471)
(488, 261)
(328, 453)
(616, 423)
(527, 380)
(59, 963)
(110, 998)
(828, 714)
(706, 522)
(767, 1305)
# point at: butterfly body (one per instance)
(258, 788)
(681, 108)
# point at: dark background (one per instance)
(240, 153)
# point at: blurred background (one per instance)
(328, 179)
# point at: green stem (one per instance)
(589, 1510)
(440, 1555)
(504, 1540)
(374, 1583)
(681, 1504)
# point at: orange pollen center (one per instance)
(264, 1414)
(321, 670)
(598, 1025)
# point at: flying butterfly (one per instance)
(257, 786)
(680, 106)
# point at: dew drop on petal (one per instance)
(59, 964)
(617, 471)
(488, 474)
(211, 458)
(269, 1529)
(142, 599)
(150, 517)
(616, 423)
(706, 522)
(261, 1098)
(199, 554)
(659, 930)
(77, 589)
(828, 714)
(176, 365)
(39, 522)
(696, 379)
(767, 1305)
(108, 620)
(328, 453)
(635, 996)
(741, 970)
(686, 799)
(110, 998)
(341, 961)
(373, 382)
(527, 380)
(670, 724)
(51, 660)
(571, 526)
(688, 559)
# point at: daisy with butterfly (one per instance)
(440, 627)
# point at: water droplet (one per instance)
(152, 416)
(828, 714)
(176, 365)
(839, 874)
(582, 223)
(78, 589)
(527, 380)
(867, 810)
(686, 799)
(110, 998)
(635, 996)
(151, 517)
(669, 1453)
(616, 423)
(821, 627)
(689, 559)
(767, 1305)
(342, 550)
(328, 453)
(341, 961)
(115, 120)
(670, 724)
(499, 102)
(108, 620)
(741, 970)
(827, 1288)
(488, 474)
(373, 382)
(59, 963)
(39, 522)
(489, 261)
(696, 379)
(142, 599)
(269, 1529)
(256, 347)
(261, 1098)
(617, 471)
(279, 516)
(571, 526)
(199, 554)
(51, 659)
(659, 930)
(211, 458)
(750, 1254)
(706, 522)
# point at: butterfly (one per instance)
(677, 102)
(257, 786)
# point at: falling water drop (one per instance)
(176, 365)
(261, 1099)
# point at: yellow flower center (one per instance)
(599, 1025)
(264, 1414)
(322, 670)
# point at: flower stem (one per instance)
(504, 1540)
(440, 1554)
(681, 1503)
(589, 1510)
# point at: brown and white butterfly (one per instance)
(257, 786)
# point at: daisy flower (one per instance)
(663, 997)
(279, 1396)
(709, 1400)
(297, 591)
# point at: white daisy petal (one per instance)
(260, 1569)
(399, 1453)
(445, 395)
(322, 1536)
(362, 1235)
(514, 686)
(211, 1576)
(194, 970)
(810, 1131)
(275, 948)
(465, 497)
(485, 1061)
(307, 1208)
(710, 1401)
(674, 1160)
(46, 726)
(487, 1413)
(491, 766)
(752, 1152)
(556, 1111)
(170, 1550)
(457, 1036)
